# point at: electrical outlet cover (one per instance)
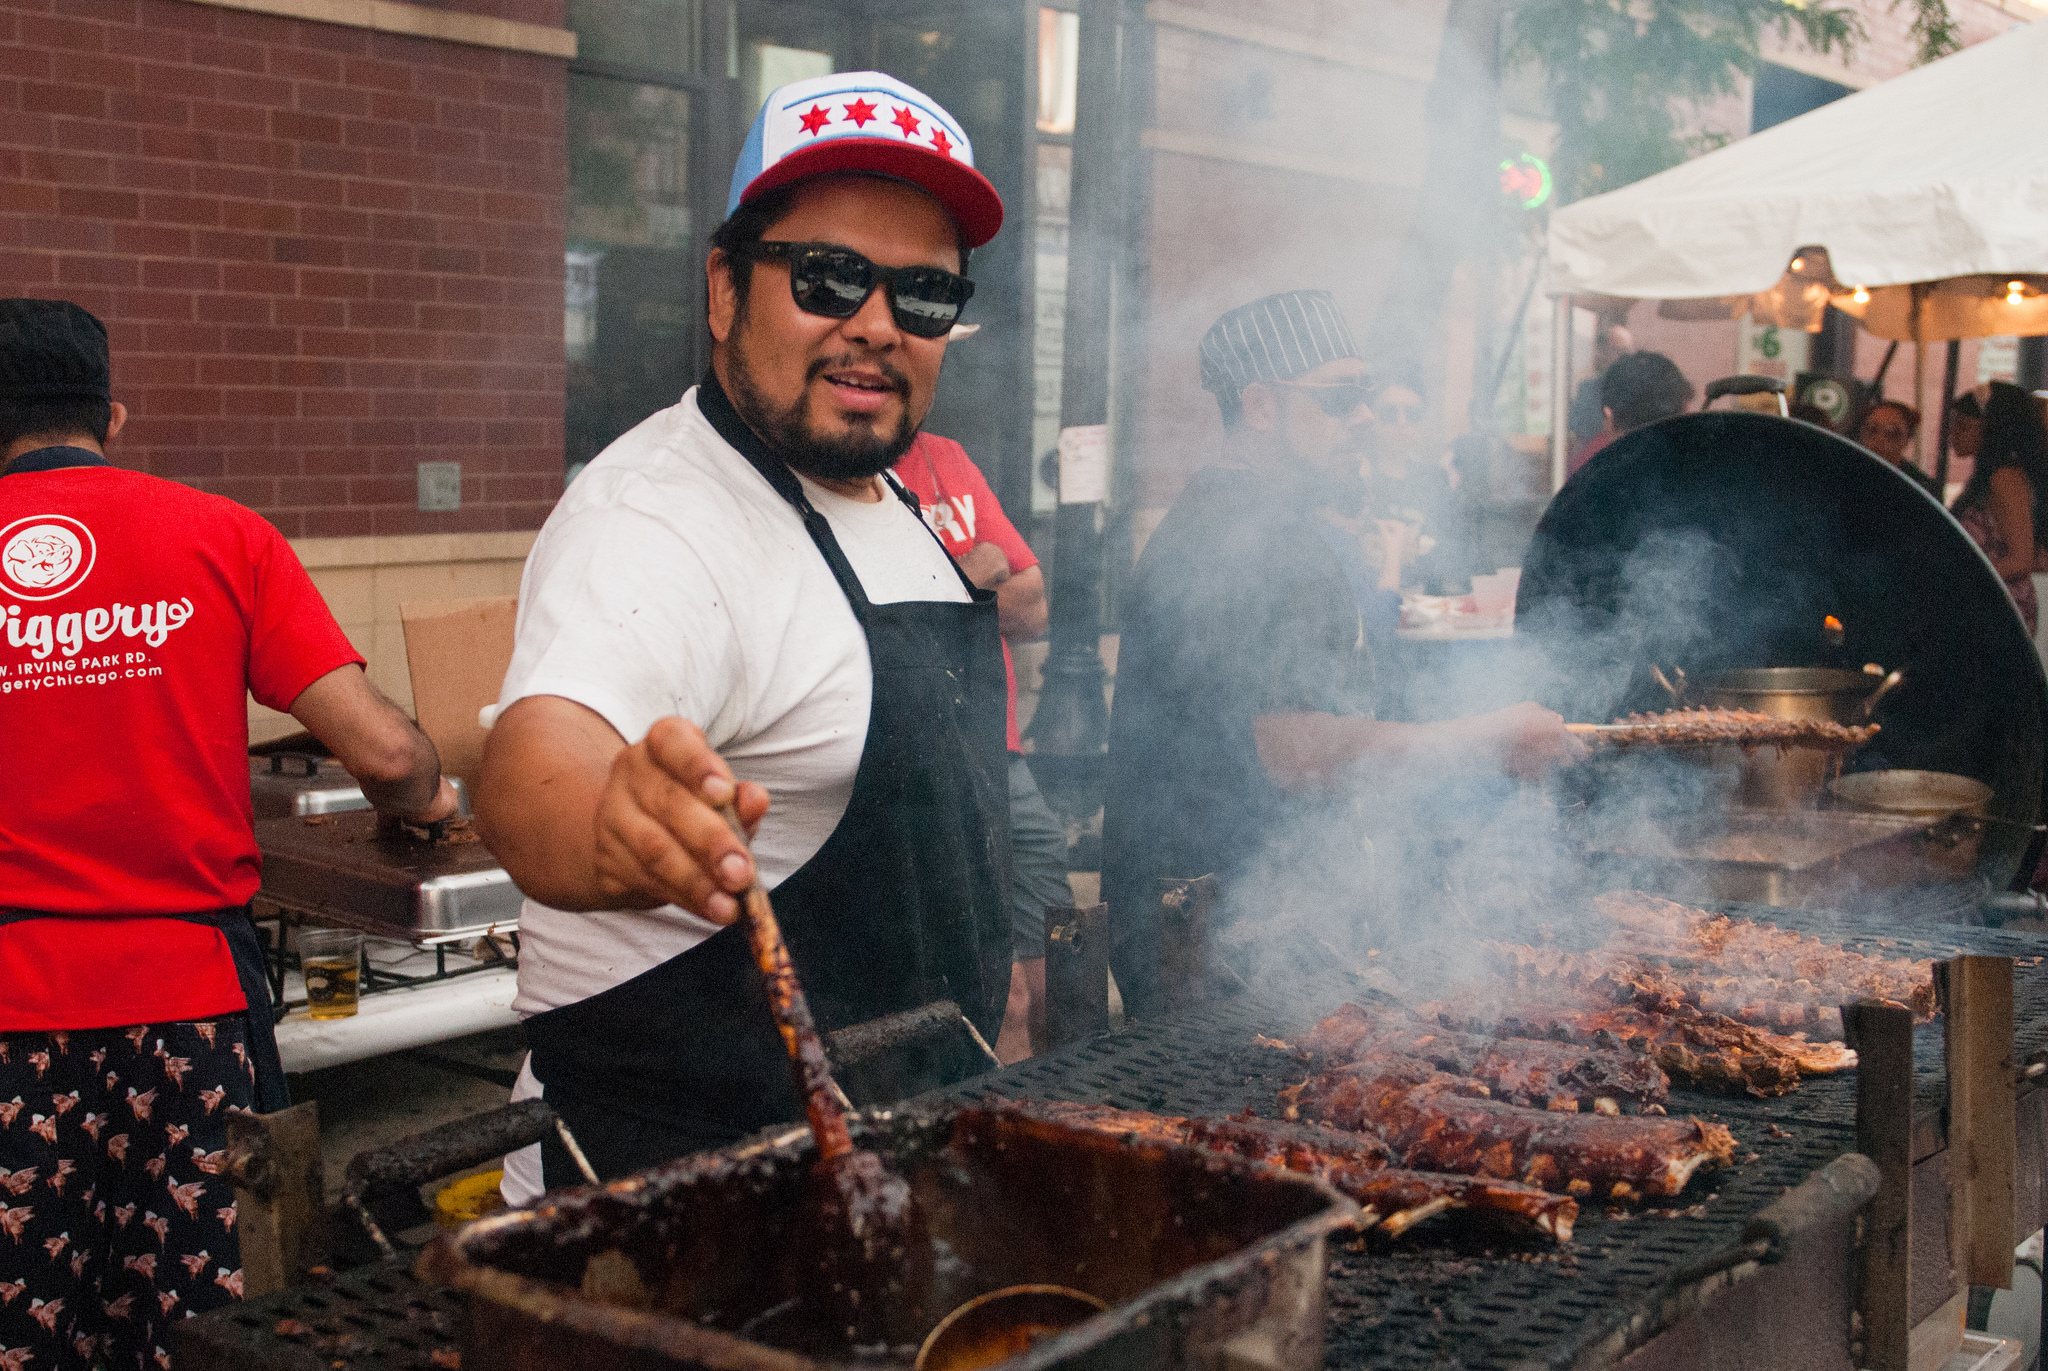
(440, 486)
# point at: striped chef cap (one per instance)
(1274, 339)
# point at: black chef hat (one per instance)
(1274, 339)
(51, 349)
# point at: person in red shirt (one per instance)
(963, 511)
(136, 615)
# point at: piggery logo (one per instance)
(45, 556)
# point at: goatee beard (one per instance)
(852, 456)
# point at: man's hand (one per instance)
(1527, 739)
(986, 565)
(583, 821)
(660, 835)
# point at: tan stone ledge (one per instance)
(416, 21)
(416, 549)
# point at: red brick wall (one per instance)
(323, 254)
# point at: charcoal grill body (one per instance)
(1719, 541)
(687, 1265)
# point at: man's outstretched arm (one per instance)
(582, 820)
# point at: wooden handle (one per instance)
(792, 1013)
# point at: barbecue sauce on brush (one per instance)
(874, 1255)
(872, 1252)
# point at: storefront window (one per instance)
(633, 311)
(653, 35)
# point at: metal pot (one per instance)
(1928, 795)
(1799, 692)
(1791, 778)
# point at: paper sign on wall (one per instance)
(1084, 464)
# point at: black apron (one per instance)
(905, 903)
(271, 1092)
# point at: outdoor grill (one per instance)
(1726, 542)
(1753, 1265)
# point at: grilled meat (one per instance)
(1705, 1051)
(1741, 727)
(1439, 1122)
(1799, 966)
(1354, 1164)
(1541, 1074)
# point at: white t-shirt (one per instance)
(671, 579)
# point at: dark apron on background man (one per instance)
(904, 904)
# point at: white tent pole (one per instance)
(1560, 388)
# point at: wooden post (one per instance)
(1184, 941)
(1977, 1015)
(1076, 973)
(280, 1195)
(1882, 1035)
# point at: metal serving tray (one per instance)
(341, 868)
(288, 784)
(1770, 856)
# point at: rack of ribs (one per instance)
(1705, 1051)
(1708, 944)
(1358, 1165)
(1564, 1077)
(1436, 1121)
(1740, 727)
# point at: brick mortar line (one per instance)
(416, 21)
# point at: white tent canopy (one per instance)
(1942, 172)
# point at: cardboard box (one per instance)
(457, 651)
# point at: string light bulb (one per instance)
(2015, 291)
(1798, 265)
(1861, 297)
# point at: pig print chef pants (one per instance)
(117, 1216)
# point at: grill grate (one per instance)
(1440, 1294)
(372, 1319)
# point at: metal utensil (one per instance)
(990, 1329)
(862, 1224)
(1884, 688)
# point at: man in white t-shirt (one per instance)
(731, 603)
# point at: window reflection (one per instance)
(632, 311)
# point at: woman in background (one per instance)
(1888, 429)
(2005, 504)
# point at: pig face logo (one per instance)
(45, 556)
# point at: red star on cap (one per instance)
(859, 112)
(906, 122)
(815, 120)
(941, 143)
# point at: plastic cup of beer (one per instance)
(331, 959)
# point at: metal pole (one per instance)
(1071, 726)
(1560, 389)
(1948, 410)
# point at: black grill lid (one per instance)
(1717, 541)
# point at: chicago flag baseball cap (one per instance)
(866, 121)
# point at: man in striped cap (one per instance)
(1244, 693)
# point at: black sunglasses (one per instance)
(1335, 398)
(835, 282)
